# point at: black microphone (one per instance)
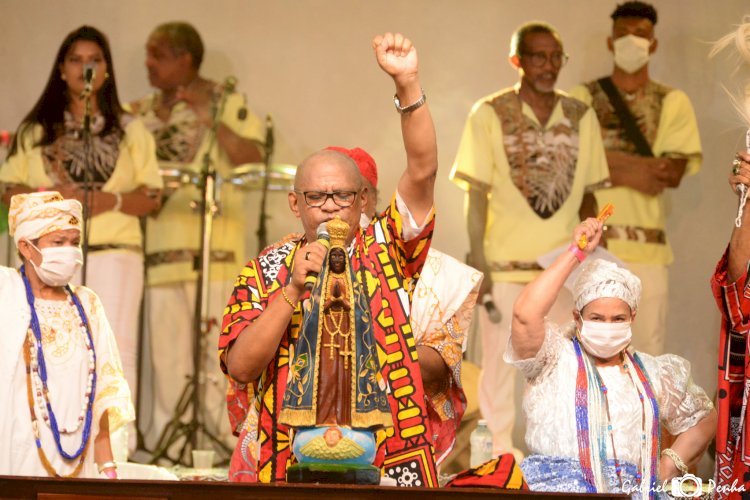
(325, 239)
(492, 311)
(89, 73)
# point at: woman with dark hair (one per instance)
(110, 168)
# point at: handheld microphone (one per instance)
(89, 74)
(492, 311)
(325, 239)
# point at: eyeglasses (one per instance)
(317, 199)
(539, 59)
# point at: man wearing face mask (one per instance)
(56, 343)
(594, 406)
(651, 137)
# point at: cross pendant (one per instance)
(346, 354)
(331, 347)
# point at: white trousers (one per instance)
(497, 379)
(170, 336)
(650, 325)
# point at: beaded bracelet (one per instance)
(676, 459)
(107, 465)
(288, 300)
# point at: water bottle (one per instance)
(481, 445)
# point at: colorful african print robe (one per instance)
(384, 265)
(732, 447)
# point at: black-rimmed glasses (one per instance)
(539, 59)
(317, 199)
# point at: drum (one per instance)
(175, 175)
(250, 176)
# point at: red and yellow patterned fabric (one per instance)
(384, 265)
(732, 447)
(501, 472)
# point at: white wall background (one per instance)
(310, 65)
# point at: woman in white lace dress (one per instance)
(62, 388)
(594, 407)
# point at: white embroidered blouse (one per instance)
(549, 401)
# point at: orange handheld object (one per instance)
(604, 214)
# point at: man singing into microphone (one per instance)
(179, 114)
(263, 317)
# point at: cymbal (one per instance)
(250, 176)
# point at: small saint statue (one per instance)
(334, 399)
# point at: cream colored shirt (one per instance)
(173, 236)
(673, 133)
(535, 175)
(136, 166)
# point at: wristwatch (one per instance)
(410, 107)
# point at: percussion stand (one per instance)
(195, 431)
(268, 152)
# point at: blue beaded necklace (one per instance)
(36, 329)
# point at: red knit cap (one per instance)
(364, 161)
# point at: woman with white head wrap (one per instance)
(594, 407)
(62, 389)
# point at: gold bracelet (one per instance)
(676, 459)
(286, 297)
(107, 465)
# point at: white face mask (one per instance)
(631, 52)
(59, 264)
(605, 340)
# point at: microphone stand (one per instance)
(195, 429)
(267, 154)
(87, 179)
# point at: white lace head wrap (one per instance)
(602, 278)
(34, 215)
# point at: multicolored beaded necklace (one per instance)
(35, 363)
(589, 395)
